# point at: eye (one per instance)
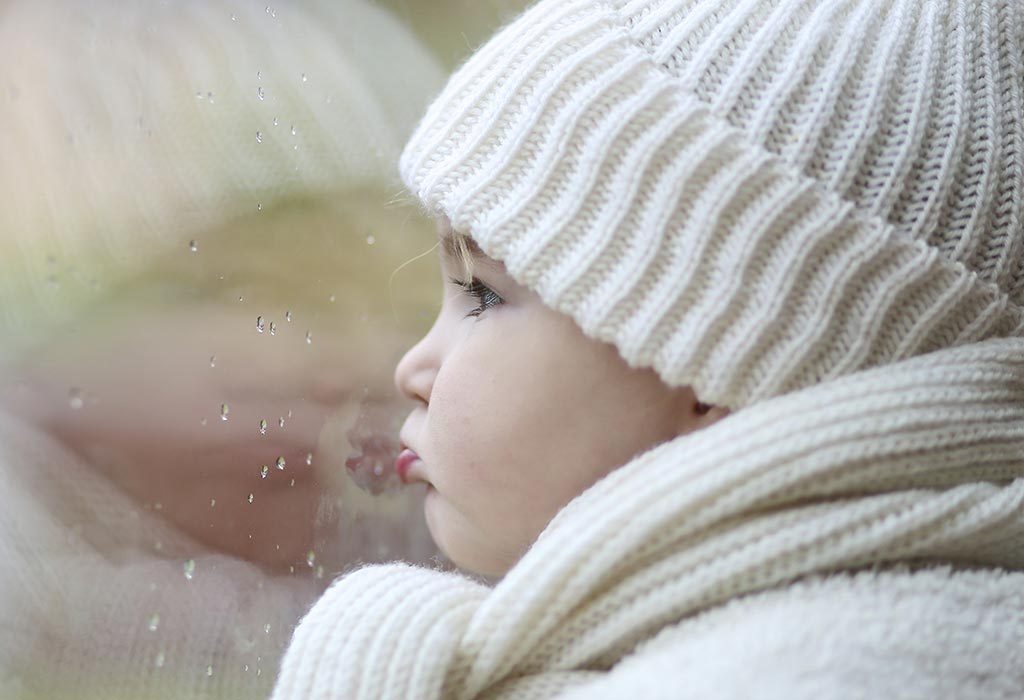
(486, 296)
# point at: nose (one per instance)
(415, 372)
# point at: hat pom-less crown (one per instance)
(748, 196)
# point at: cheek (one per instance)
(526, 414)
(504, 415)
(490, 430)
(472, 431)
(484, 506)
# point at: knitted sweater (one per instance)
(858, 538)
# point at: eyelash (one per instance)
(487, 296)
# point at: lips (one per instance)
(404, 462)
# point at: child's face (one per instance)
(519, 412)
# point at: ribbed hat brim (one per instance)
(606, 184)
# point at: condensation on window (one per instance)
(208, 270)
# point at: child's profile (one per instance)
(517, 411)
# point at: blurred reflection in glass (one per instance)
(200, 222)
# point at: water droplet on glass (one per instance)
(209, 670)
(192, 246)
(259, 137)
(293, 130)
(295, 146)
(332, 298)
(275, 121)
(259, 206)
(233, 18)
(202, 421)
(319, 571)
(291, 569)
(303, 77)
(273, 328)
(280, 422)
(259, 74)
(309, 338)
(160, 660)
(309, 458)
(154, 622)
(158, 546)
(259, 323)
(378, 470)
(370, 240)
(266, 628)
(209, 96)
(292, 482)
(310, 557)
(288, 316)
(259, 92)
(158, 505)
(213, 502)
(213, 360)
(223, 411)
(263, 427)
(264, 470)
(75, 398)
(280, 462)
(250, 498)
(199, 95)
(289, 413)
(190, 568)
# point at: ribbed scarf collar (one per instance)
(918, 461)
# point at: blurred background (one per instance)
(208, 271)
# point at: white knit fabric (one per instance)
(913, 469)
(749, 196)
(808, 211)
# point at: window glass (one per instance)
(208, 270)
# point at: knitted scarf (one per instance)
(916, 462)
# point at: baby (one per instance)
(727, 387)
(518, 411)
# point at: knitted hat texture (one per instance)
(749, 196)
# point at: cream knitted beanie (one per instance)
(749, 196)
